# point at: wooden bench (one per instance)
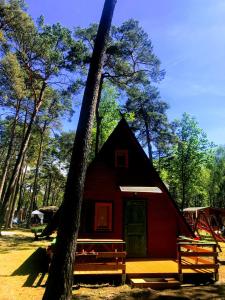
(197, 255)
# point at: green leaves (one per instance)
(185, 165)
(150, 120)
(129, 55)
(34, 79)
(216, 182)
(109, 115)
(12, 77)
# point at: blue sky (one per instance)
(188, 37)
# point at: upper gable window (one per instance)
(121, 159)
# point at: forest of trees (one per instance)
(43, 71)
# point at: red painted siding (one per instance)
(164, 222)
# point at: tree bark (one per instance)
(14, 196)
(49, 190)
(148, 139)
(182, 177)
(34, 192)
(45, 194)
(8, 223)
(22, 152)
(60, 280)
(21, 191)
(10, 148)
(14, 175)
(98, 117)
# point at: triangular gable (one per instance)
(123, 138)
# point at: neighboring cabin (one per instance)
(124, 198)
(214, 216)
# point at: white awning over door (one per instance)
(140, 189)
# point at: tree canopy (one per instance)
(43, 71)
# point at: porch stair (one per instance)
(155, 283)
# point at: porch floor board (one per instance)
(146, 267)
(157, 267)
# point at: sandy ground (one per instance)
(23, 278)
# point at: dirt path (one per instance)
(22, 276)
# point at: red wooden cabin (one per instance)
(124, 198)
(210, 220)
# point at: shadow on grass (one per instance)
(14, 242)
(35, 266)
(136, 294)
(202, 292)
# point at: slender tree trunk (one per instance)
(10, 206)
(8, 223)
(183, 196)
(49, 190)
(98, 117)
(27, 204)
(53, 197)
(159, 161)
(21, 191)
(15, 174)
(16, 190)
(60, 280)
(2, 154)
(34, 192)
(10, 148)
(148, 139)
(22, 152)
(45, 194)
(183, 181)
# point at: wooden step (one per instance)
(155, 283)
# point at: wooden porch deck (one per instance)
(146, 267)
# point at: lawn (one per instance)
(23, 276)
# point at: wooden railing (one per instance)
(101, 261)
(197, 255)
(98, 255)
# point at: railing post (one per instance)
(180, 275)
(216, 270)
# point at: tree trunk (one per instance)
(60, 280)
(8, 223)
(20, 182)
(21, 191)
(98, 117)
(49, 190)
(22, 152)
(45, 194)
(15, 174)
(182, 177)
(27, 204)
(10, 148)
(34, 192)
(148, 139)
(183, 203)
(53, 197)
(13, 199)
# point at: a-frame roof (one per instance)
(122, 137)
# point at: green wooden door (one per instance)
(135, 228)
